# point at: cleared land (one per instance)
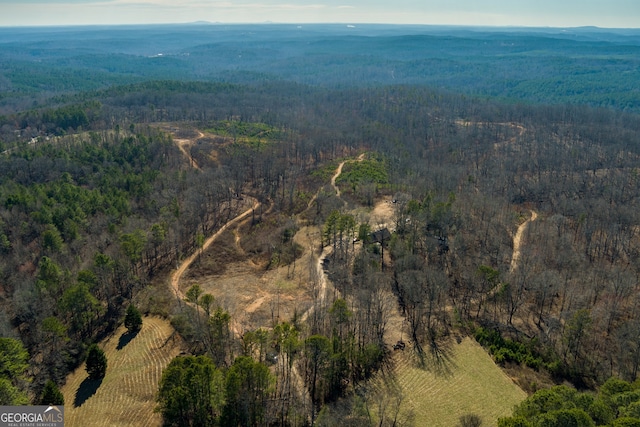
(253, 295)
(126, 395)
(464, 381)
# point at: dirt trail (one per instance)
(326, 251)
(184, 143)
(321, 276)
(335, 176)
(175, 277)
(333, 179)
(517, 241)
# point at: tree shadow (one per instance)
(126, 338)
(87, 389)
(438, 357)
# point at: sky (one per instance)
(531, 13)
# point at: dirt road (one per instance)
(326, 251)
(175, 277)
(517, 241)
(183, 144)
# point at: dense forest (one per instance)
(592, 66)
(97, 204)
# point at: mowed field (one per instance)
(126, 396)
(464, 381)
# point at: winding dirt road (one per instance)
(339, 171)
(177, 275)
(326, 251)
(335, 176)
(517, 241)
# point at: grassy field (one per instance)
(126, 396)
(464, 381)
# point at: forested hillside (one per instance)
(593, 66)
(514, 223)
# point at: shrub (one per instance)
(470, 420)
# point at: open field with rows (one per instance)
(464, 380)
(126, 396)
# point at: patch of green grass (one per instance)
(246, 132)
(325, 173)
(366, 171)
(285, 285)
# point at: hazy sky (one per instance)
(555, 13)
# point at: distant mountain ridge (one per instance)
(583, 65)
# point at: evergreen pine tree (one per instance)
(133, 319)
(51, 395)
(96, 362)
